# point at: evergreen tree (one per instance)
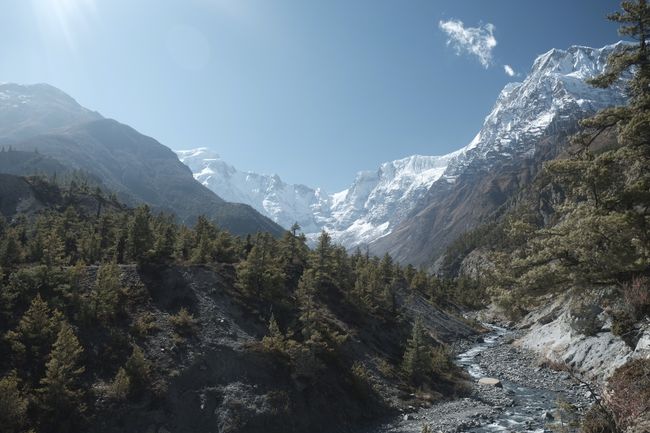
(293, 255)
(138, 369)
(13, 405)
(260, 274)
(34, 335)
(275, 340)
(184, 243)
(11, 250)
(106, 295)
(205, 236)
(165, 238)
(120, 386)
(62, 395)
(417, 356)
(140, 236)
(322, 263)
(53, 249)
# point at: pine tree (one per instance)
(138, 369)
(165, 235)
(34, 335)
(275, 340)
(140, 236)
(321, 262)
(13, 405)
(53, 248)
(603, 231)
(62, 395)
(205, 238)
(105, 296)
(11, 250)
(184, 244)
(120, 387)
(260, 275)
(417, 356)
(293, 256)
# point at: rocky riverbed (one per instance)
(529, 397)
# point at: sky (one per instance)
(313, 91)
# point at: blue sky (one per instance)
(311, 90)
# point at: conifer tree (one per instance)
(275, 340)
(293, 255)
(53, 249)
(260, 274)
(165, 239)
(417, 356)
(321, 261)
(105, 296)
(140, 236)
(13, 405)
(120, 387)
(34, 335)
(11, 250)
(62, 395)
(138, 369)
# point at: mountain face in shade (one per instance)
(415, 206)
(26, 111)
(138, 168)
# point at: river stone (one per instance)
(490, 381)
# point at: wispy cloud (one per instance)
(478, 41)
(509, 71)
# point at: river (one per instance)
(528, 400)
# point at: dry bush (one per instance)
(598, 420)
(629, 391)
(184, 322)
(637, 297)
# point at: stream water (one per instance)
(526, 402)
(530, 404)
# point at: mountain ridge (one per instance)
(135, 166)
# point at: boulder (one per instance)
(491, 381)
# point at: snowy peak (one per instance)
(554, 95)
(268, 194)
(579, 61)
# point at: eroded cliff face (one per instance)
(551, 332)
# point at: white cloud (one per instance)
(509, 71)
(478, 41)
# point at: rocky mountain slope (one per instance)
(138, 168)
(413, 207)
(26, 111)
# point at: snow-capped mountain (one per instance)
(378, 200)
(285, 204)
(551, 98)
(529, 123)
(374, 202)
(553, 95)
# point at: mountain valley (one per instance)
(501, 287)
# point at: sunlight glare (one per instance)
(65, 18)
